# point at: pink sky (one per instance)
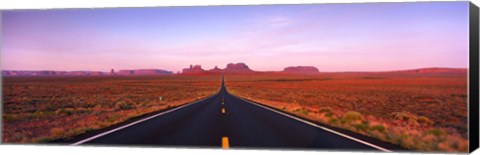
(331, 37)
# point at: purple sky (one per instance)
(331, 37)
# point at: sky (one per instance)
(331, 37)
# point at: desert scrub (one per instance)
(436, 132)
(43, 139)
(415, 137)
(361, 127)
(49, 108)
(412, 119)
(333, 121)
(64, 111)
(425, 121)
(327, 111)
(352, 116)
(302, 111)
(10, 118)
(57, 132)
(379, 128)
(123, 105)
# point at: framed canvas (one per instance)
(376, 77)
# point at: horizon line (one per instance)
(207, 70)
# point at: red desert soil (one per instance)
(417, 110)
(44, 108)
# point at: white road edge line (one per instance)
(136, 122)
(318, 126)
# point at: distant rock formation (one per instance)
(22, 73)
(85, 73)
(232, 68)
(6, 73)
(112, 72)
(77, 73)
(125, 72)
(144, 72)
(237, 68)
(193, 70)
(96, 73)
(216, 70)
(151, 72)
(61, 73)
(51, 73)
(301, 70)
(436, 70)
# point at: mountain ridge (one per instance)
(231, 68)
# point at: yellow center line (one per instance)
(223, 110)
(225, 144)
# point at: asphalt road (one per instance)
(224, 120)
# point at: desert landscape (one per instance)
(40, 109)
(424, 110)
(307, 76)
(421, 109)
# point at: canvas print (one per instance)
(386, 77)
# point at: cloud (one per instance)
(279, 21)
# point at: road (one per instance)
(224, 120)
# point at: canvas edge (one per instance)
(473, 78)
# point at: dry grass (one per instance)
(425, 112)
(38, 109)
